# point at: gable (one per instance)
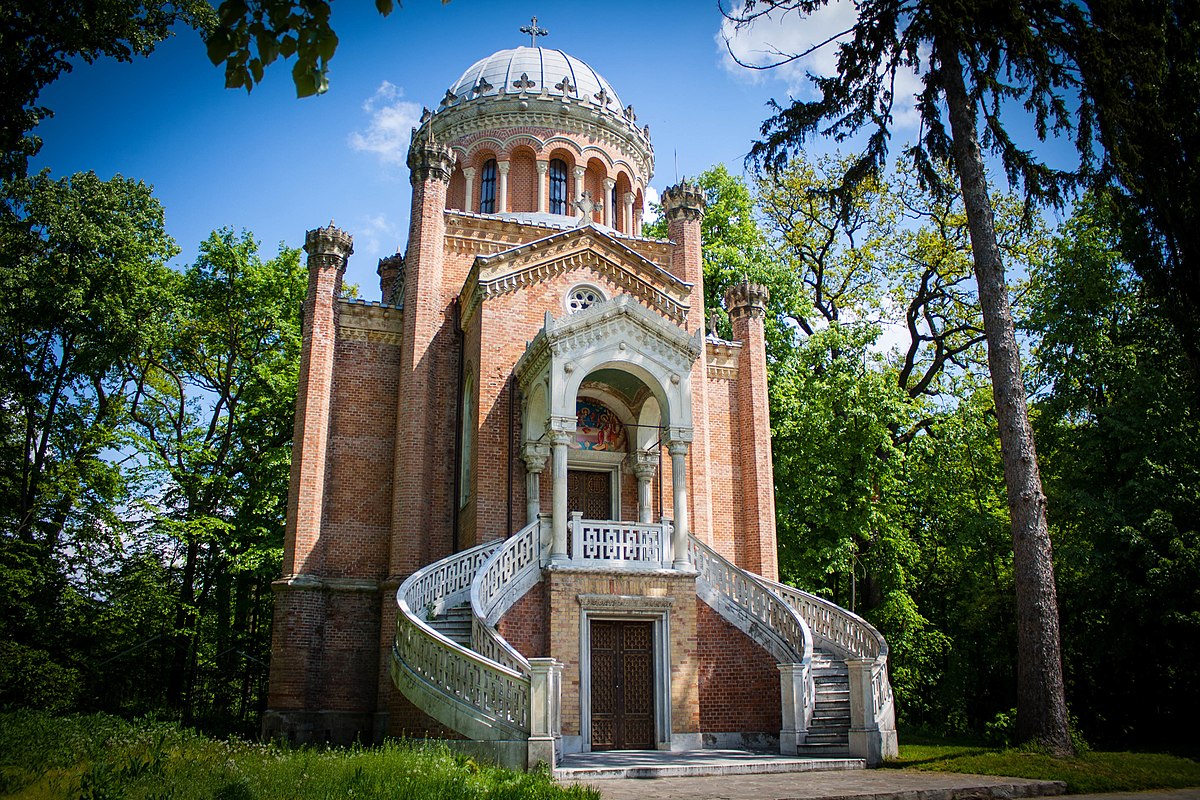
(586, 247)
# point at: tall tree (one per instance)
(85, 266)
(213, 415)
(980, 58)
(1139, 69)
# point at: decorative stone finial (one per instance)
(534, 31)
(430, 160)
(746, 299)
(328, 247)
(391, 279)
(684, 200)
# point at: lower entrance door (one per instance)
(622, 685)
(589, 493)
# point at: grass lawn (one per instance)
(1090, 772)
(99, 757)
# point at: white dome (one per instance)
(550, 71)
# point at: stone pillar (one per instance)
(502, 187)
(297, 640)
(545, 690)
(579, 187)
(560, 438)
(535, 455)
(644, 465)
(469, 175)
(543, 186)
(609, 185)
(683, 205)
(793, 689)
(747, 305)
(327, 248)
(627, 214)
(678, 446)
(391, 280)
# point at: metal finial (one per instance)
(534, 31)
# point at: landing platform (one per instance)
(617, 764)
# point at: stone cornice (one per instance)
(722, 359)
(590, 247)
(316, 583)
(359, 321)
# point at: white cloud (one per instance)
(772, 38)
(392, 120)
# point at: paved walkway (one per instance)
(879, 784)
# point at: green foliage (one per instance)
(1119, 432)
(44, 40)
(250, 35)
(100, 756)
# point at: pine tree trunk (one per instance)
(1041, 705)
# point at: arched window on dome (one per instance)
(558, 186)
(487, 188)
(614, 209)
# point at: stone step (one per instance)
(694, 763)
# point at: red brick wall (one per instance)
(739, 682)
(758, 481)
(724, 469)
(357, 521)
(522, 182)
(526, 625)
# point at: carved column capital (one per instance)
(542, 167)
(535, 455)
(644, 464)
(503, 166)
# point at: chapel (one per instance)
(531, 508)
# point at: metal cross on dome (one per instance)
(534, 31)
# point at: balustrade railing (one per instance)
(443, 677)
(510, 571)
(789, 638)
(846, 632)
(619, 543)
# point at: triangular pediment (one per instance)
(586, 247)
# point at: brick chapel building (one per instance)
(531, 505)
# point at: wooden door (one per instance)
(589, 493)
(622, 680)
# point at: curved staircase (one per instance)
(451, 662)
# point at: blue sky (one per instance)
(276, 165)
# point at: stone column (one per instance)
(545, 690)
(627, 214)
(543, 186)
(678, 446)
(535, 455)
(469, 176)
(560, 438)
(579, 187)
(644, 465)
(501, 187)
(609, 185)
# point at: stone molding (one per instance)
(722, 359)
(625, 602)
(536, 261)
(487, 234)
(359, 321)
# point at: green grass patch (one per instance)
(1089, 772)
(98, 757)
